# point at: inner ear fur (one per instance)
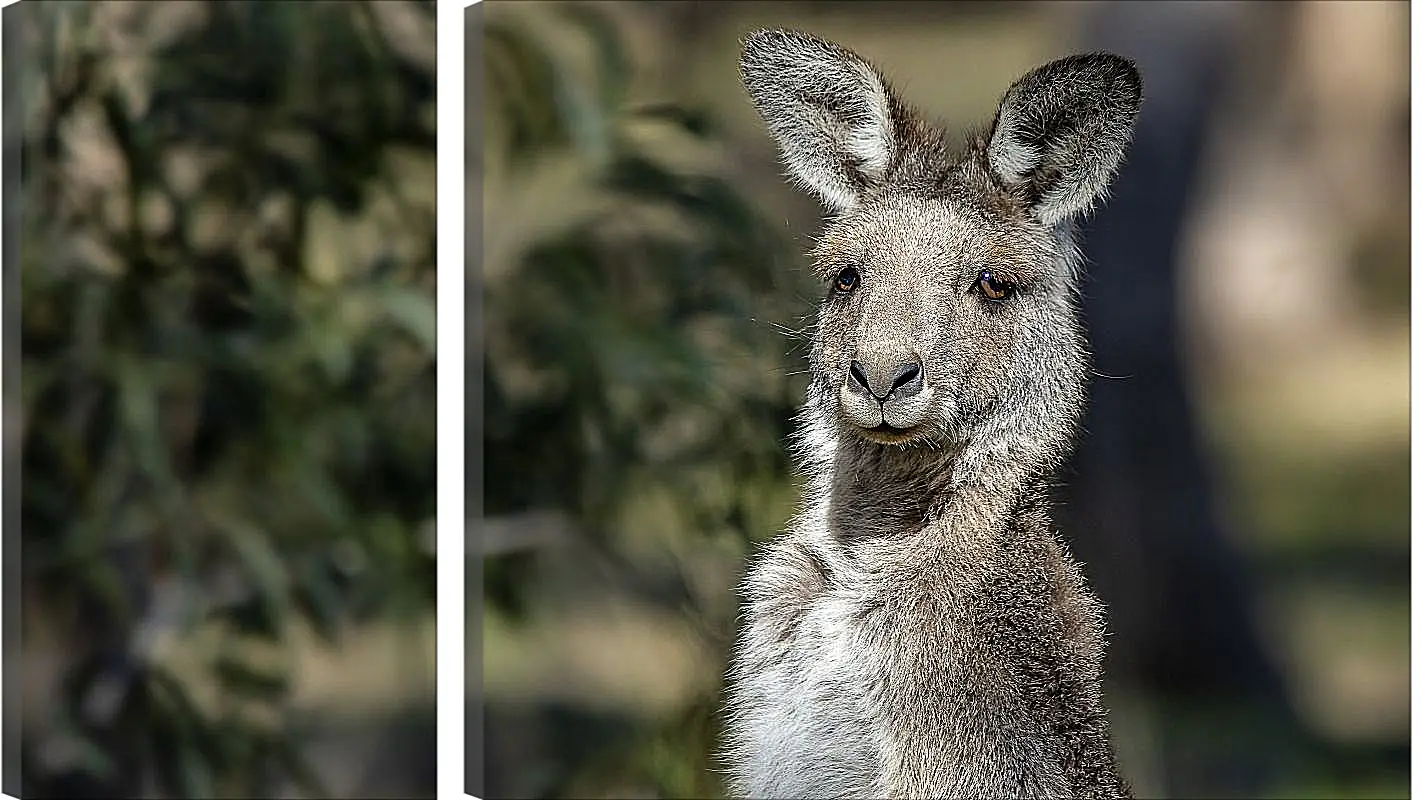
(1062, 131)
(830, 112)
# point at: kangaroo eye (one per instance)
(993, 287)
(847, 281)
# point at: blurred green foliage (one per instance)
(623, 275)
(228, 370)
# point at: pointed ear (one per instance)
(1063, 129)
(827, 109)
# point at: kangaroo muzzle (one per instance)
(885, 389)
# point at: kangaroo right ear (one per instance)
(1063, 129)
(826, 108)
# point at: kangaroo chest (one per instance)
(810, 729)
(817, 699)
(851, 673)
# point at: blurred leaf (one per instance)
(195, 775)
(245, 678)
(691, 120)
(613, 67)
(414, 311)
(263, 565)
(290, 757)
(321, 599)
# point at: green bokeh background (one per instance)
(226, 400)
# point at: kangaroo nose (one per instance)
(906, 380)
(856, 371)
(909, 380)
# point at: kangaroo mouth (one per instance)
(897, 422)
(884, 433)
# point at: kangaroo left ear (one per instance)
(829, 111)
(1063, 129)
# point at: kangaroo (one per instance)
(921, 630)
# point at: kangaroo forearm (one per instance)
(954, 744)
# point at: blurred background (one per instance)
(226, 403)
(1240, 496)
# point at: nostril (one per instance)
(856, 371)
(909, 378)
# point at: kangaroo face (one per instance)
(935, 311)
(949, 275)
(931, 307)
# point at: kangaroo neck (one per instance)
(881, 491)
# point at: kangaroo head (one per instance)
(949, 273)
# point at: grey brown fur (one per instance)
(921, 630)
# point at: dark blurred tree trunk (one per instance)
(1141, 508)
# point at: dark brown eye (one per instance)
(847, 280)
(993, 287)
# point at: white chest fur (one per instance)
(804, 726)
